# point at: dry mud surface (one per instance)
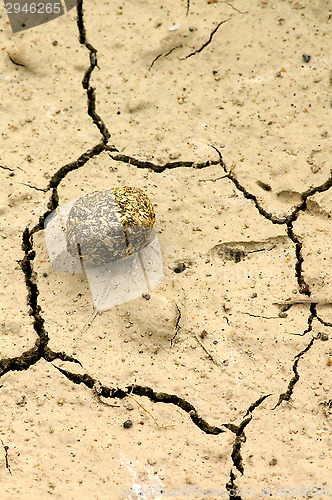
(216, 111)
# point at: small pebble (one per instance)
(324, 336)
(272, 462)
(146, 296)
(282, 314)
(127, 424)
(329, 362)
(11, 174)
(304, 288)
(264, 186)
(55, 42)
(203, 334)
(306, 58)
(180, 268)
(45, 275)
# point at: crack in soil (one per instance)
(41, 350)
(6, 448)
(162, 55)
(160, 168)
(287, 395)
(205, 44)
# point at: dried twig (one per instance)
(147, 411)
(207, 352)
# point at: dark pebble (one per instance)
(180, 268)
(11, 174)
(324, 336)
(45, 275)
(127, 424)
(146, 296)
(304, 289)
(282, 314)
(264, 186)
(306, 58)
(55, 42)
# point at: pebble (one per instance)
(306, 58)
(180, 267)
(127, 424)
(324, 336)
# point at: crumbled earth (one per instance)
(218, 383)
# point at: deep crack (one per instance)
(139, 390)
(166, 166)
(287, 395)
(86, 79)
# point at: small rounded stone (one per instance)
(109, 225)
(180, 267)
(127, 424)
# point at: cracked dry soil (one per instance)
(225, 370)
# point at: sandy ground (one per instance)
(245, 245)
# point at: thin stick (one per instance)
(205, 350)
(310, 300)
(147, 411)
(145, 274)
(89, 323)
